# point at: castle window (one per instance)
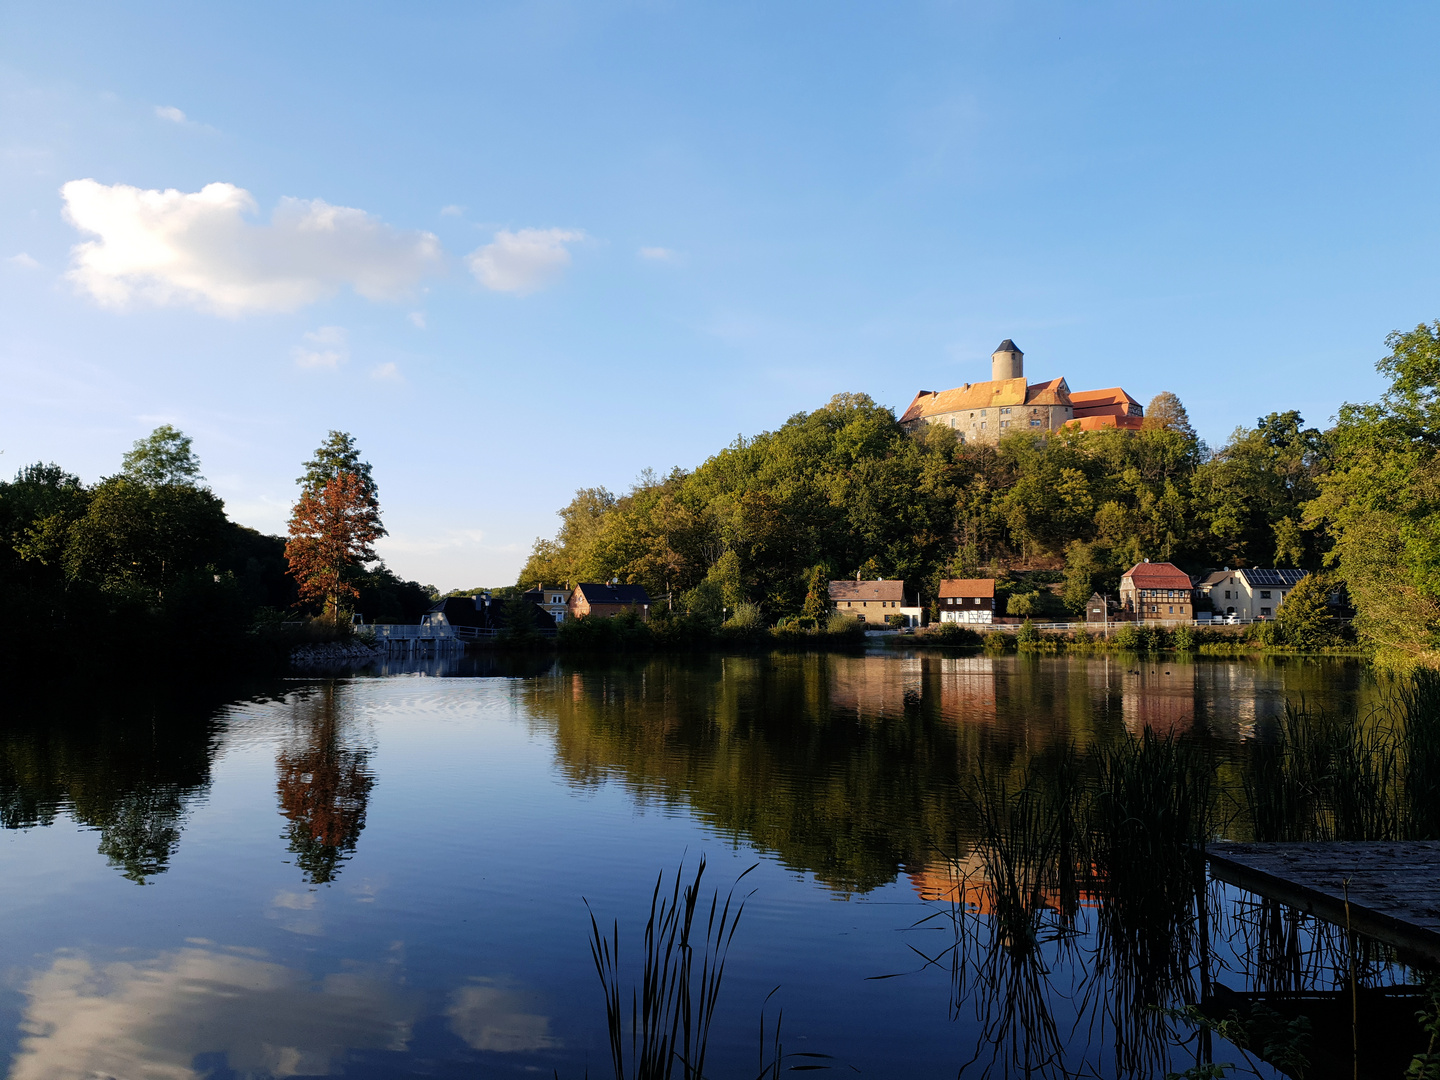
(1034, 423)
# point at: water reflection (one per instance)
(188, 1012)
(125, 765)
(324, 784)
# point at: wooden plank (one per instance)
(1393, 887)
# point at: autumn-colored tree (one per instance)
(334, 526)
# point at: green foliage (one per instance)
(1304, 619)
(1381, 503)
(163, 458)
(1183, 639)
(896, 621)
(996, 640)
(1126, 638)
(1265, 634)
(747, 616)
(844, 626)
(1027, 634)
(1026, 603)
(950, 633)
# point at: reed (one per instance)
(1419, 706)
(671, 1012)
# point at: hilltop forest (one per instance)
(844, 490)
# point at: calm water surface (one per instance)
(383, 874)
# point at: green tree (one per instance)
(1304, 618)
(163, 458)
(1381, 504)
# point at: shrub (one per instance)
(747, 617)
(1154, 639)
(1028, 634)
(1127, 637)
(1267, 634)
(1184, 639)
(996, 640)
(896, 621)
(952, 634)
(1083, 637)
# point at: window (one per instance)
(1004, 412)
(1264, 612)
(1004, 423)
(1264, 594)
(982, 425)
(1172, 609)
(982, 412)
(1227, 594)
(1034, 423)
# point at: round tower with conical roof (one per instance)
(1007, 362)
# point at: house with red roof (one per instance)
(967, 600)
(1156, 592)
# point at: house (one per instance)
(1112, 408)
(967, 600)
(872, 601)
(984, 411)
(1156, 592)
(482, 615)
(1097, 609)
(605, 601)
(554, 599)
(1249, 594)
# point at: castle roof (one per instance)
(987, 395)
(1113, 401)
(1009, 346)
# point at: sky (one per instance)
(518, 249)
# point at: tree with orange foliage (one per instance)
(334, 525)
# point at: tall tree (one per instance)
(1381, 503)
(1166, 411)
(162, 458)
(334, 525)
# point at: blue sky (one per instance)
(517, 249)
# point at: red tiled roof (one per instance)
(1098, 399)
(1157, 575)
(1105, 420)
(868, 590)
(967, 587)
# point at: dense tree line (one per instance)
(844, 490)
(147, 557)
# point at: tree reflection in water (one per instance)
(127, 763)
(324, 786)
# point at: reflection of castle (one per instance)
(324, 787)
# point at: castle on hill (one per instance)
(982, 412)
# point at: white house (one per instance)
(1249, 594)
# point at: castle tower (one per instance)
(1007, 362)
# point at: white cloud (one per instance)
(197, 249)
(658, 254)
(489, 1018)
(387, 372)
(151, 1019)
(452, 210)
(417, 319)
(24, 261)
(523, 261)
(171, 113)
(327, 347)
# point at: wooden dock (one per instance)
(1393, 887)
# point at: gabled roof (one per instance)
(1265, 578)
(1054, 392)
(1008, 346)
(1157, 575)
(1089, 399)
(994, 394)
(885, 589)
(1105, 420)
(1218, 577)
(597, 593)
(967, 587)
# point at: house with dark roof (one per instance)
(1156, 592)
(1249, 594)
(982, 412)
(605, 601)
(872, 602)
(482, 615)
(967, 600)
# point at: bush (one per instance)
(950, 633)
(996, 640)
(1082, 637)
(598, 634)
(844, 625)
(896, 622)
(1184, 639)
(1028, 634)
(1126, 638)
(1154, 639)
(1267, 634)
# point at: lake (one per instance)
(388, 873)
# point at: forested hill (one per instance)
(843, 490)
